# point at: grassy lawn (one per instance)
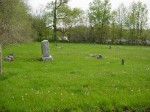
(74, 81)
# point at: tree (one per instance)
(15, 25)
(53, 7)
(121, 20)
(39, 25)
(137, 21)
(113, 25)
(73, 18)
(99, 17)
(141, 20)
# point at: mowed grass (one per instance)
(74, 81)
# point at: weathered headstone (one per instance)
(10, 57)
(0, 59)
(46, 51)
(98, 56)
(109, 47)
(122, 61)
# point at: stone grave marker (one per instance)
(122, 61)
(46, 51)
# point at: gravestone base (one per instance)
(47, 58)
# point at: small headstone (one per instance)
(55, 43)
(122, 61)
(99, 56)
(45, 51)
(10, 57)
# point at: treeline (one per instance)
(100, 24)
(123, 25)
(57, 21)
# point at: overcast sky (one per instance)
(83, 4)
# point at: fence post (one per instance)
(0, 59)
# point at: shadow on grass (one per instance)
(4, 109)
(32, 59)
(6, 76)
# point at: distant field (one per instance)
(74, 81)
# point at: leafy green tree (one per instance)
(121, 20)
(54, 14)
(66, 19)
(141, 20)
(73, 18)
(113, 25)
(40, 26)
(99, 17)
(137, 21)
(15, 25)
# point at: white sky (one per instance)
(83, 4)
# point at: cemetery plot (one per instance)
(76, 81)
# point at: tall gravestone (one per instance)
(0, 59)
(46, 51)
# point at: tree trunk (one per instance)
(54, 24)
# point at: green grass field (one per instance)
(74, 81)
